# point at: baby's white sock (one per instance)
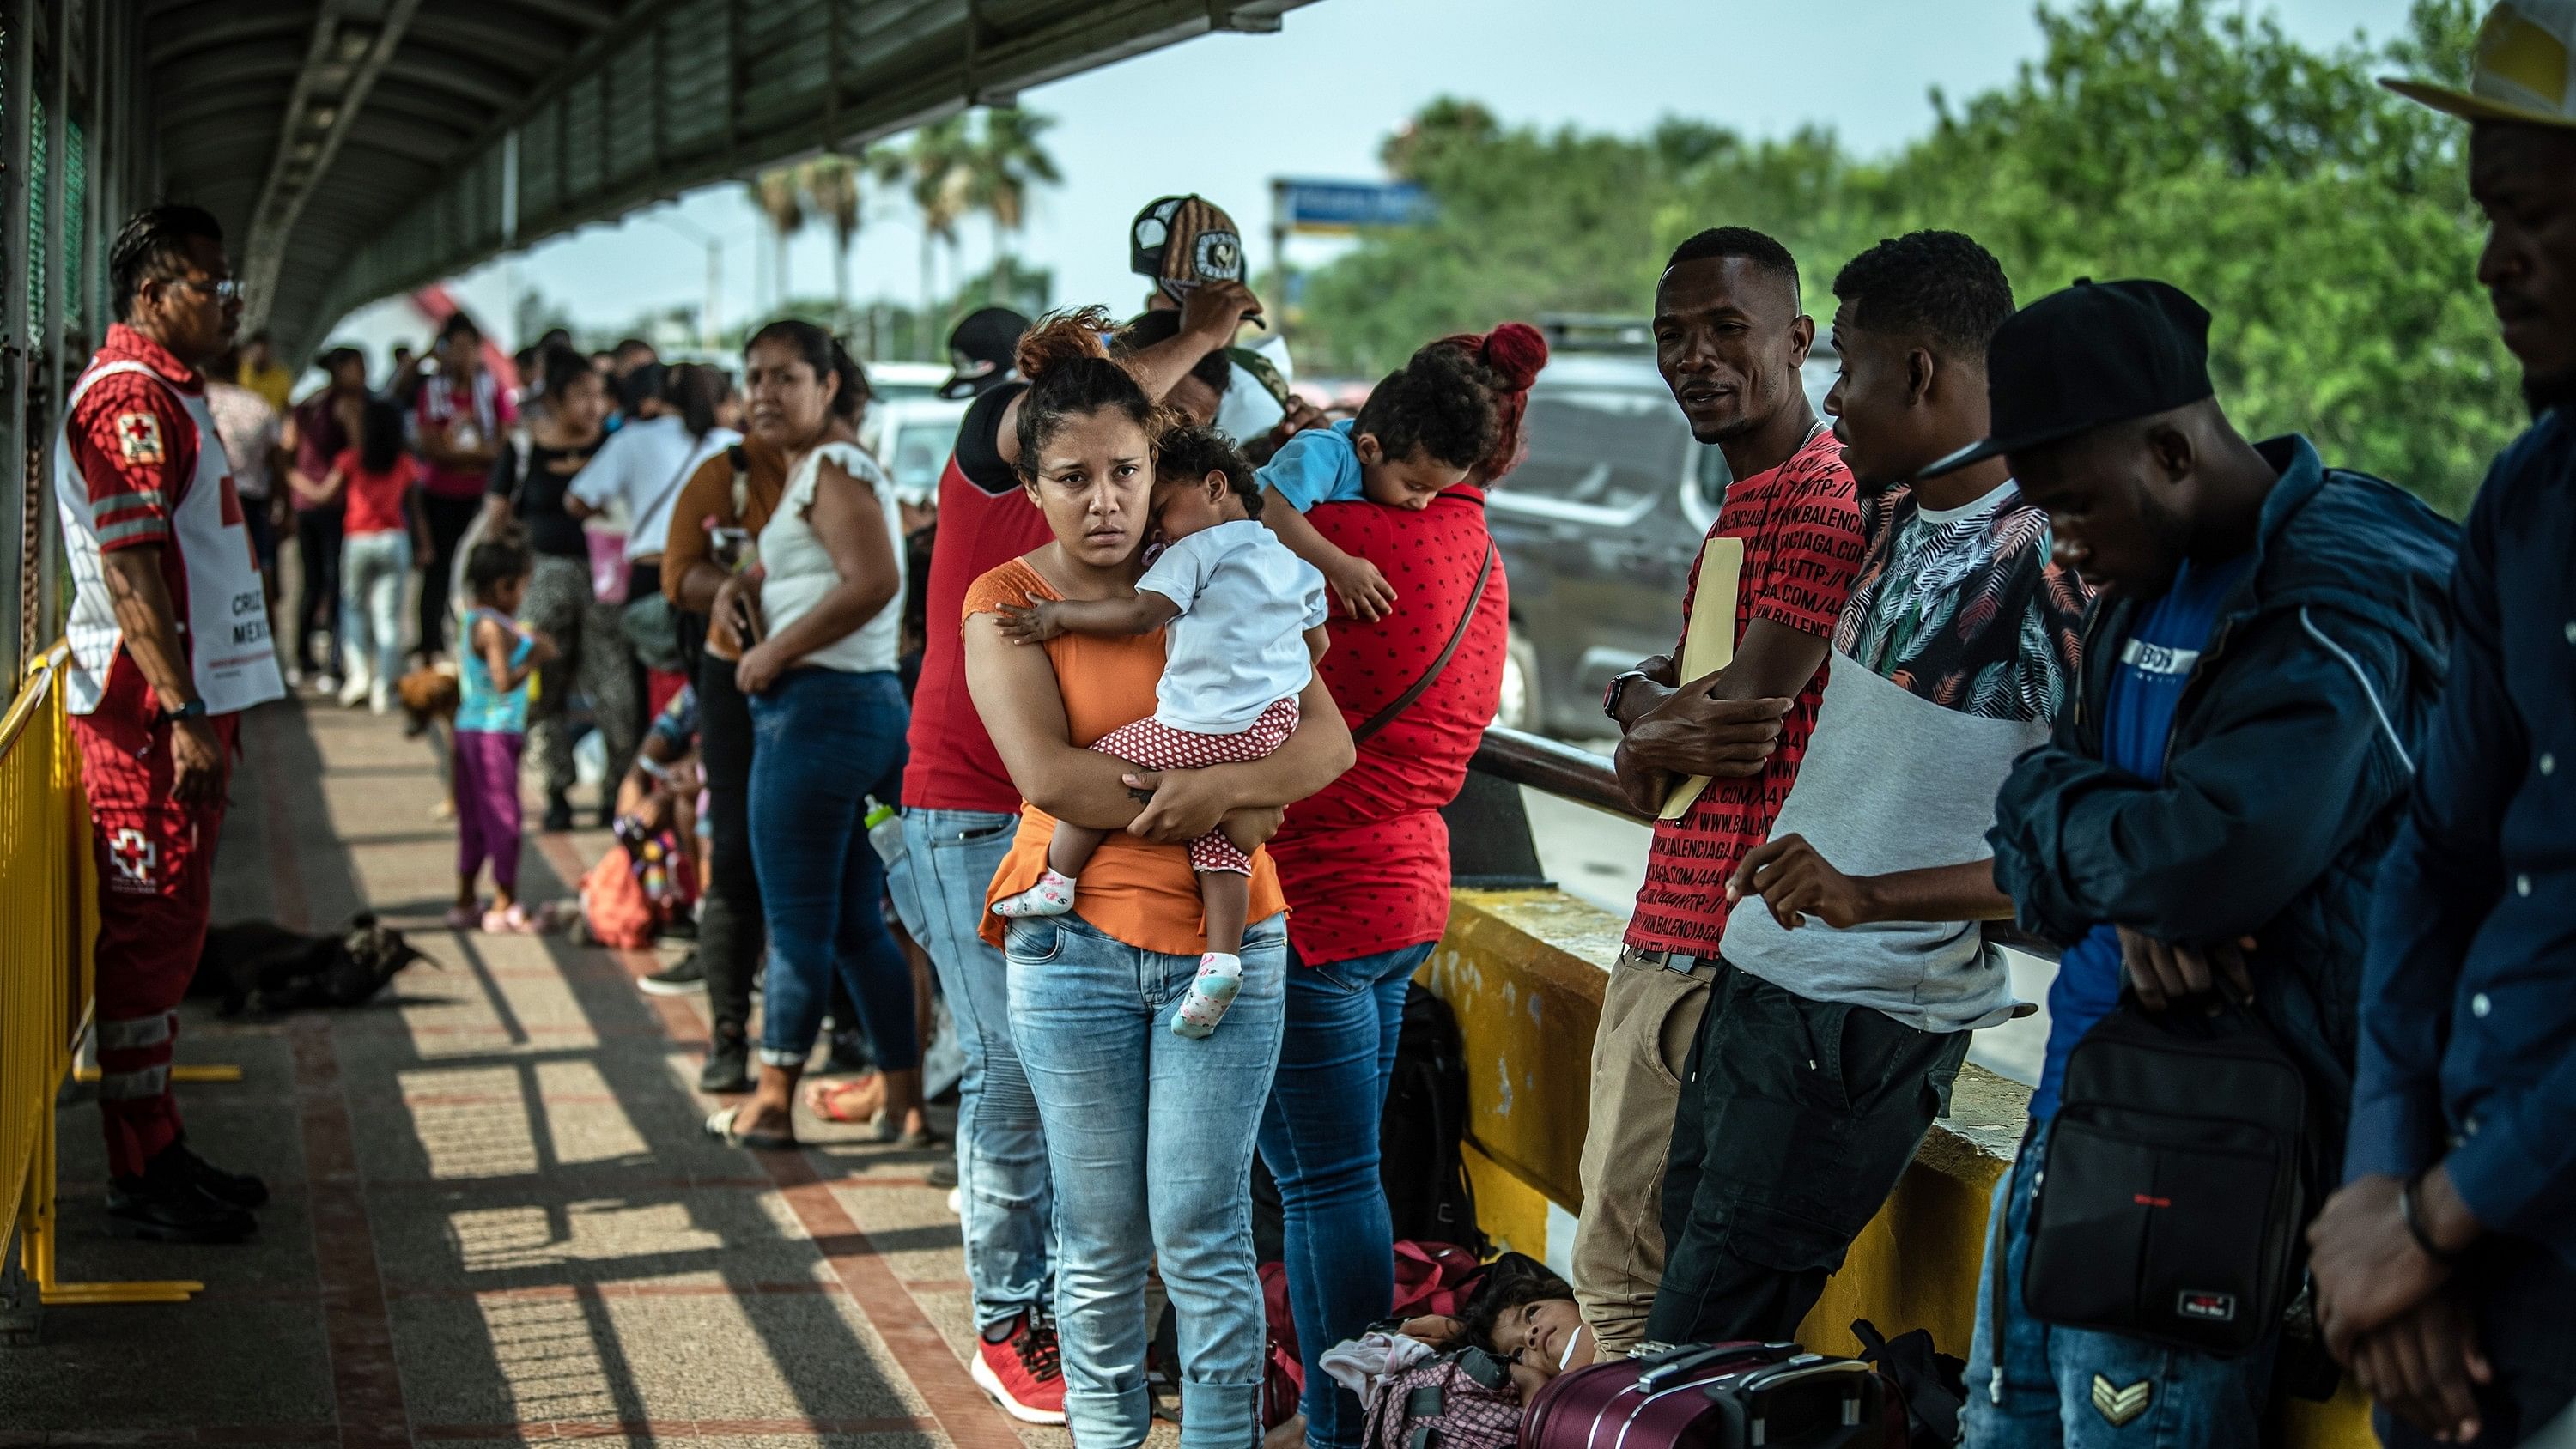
(1211, 992)
(1051, 896)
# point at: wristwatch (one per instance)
(1618, 685)
(193, 709)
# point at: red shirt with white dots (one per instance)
(1365, 862)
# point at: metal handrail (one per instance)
(1559, 769)
(43, 677)
(1585, 778)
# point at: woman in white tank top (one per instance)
(828, 722)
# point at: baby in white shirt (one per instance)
(1246, 625)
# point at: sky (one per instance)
(1224, 114)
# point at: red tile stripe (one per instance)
(366, 1388)
(970, 1420)
(539, 1432)
(534, 1431)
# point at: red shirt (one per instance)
(136, 448)
(985, 521)
(1366, 861)
(1801, 528)
(485, 403)
(319, 437)
(376, 499)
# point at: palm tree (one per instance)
(936, 170)
(782, 199)
(1008, 161)
(831, 184)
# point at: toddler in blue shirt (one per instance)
(1419, 434)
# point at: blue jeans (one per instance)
(949, 858)
(1149, 1142)
(374, 567)
(823, 741)
(2045, 1396)
(1319, 1136)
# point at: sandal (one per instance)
(515, 921)
(824, 1099)
(720, 1127)
(464, 918)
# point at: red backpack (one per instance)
(1430, 1278)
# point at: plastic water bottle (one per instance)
(885, 831)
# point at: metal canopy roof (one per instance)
(355, 148)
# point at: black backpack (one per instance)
(1427, 1192)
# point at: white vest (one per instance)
(225, 628)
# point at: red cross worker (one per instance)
(169, 643)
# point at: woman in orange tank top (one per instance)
(1149, 1135)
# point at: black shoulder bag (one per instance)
(692, 623)
(1401, 702)
(2171, 1199)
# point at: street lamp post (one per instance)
(709, 322)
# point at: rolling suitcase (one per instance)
(1723, 1396)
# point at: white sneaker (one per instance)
(294, 677)
(353, 690)
(326, 684)
(380, 698)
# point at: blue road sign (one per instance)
(1332, 206)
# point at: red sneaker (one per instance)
(1021, 1369)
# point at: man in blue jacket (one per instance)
(2267, 635)
(2446, 1268)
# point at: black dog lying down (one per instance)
(289, 970)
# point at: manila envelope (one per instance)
(1708, 639)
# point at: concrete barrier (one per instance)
(1524, 970)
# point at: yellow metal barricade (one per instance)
(48, 923)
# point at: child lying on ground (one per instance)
(1417, 436)
(1246, 626)
(1520, 1313)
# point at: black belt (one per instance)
(1684, 962)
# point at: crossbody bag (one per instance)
(2172, 1194)
(1413, 691)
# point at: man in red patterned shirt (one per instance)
(170, 641)
(1730, 340)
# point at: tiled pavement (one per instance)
(495, 1219)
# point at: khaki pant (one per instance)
(1648, 1017)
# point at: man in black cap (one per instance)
(2266, 643)
(981, 352)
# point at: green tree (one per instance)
(833, 186)
(2324, 221)
(781, 199)
(936, 169)
(1008, 161)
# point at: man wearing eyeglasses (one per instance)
(170, 642)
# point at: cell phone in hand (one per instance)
(731, 548)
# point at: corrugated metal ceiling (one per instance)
(355, 148)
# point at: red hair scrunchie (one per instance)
(1514, 352)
